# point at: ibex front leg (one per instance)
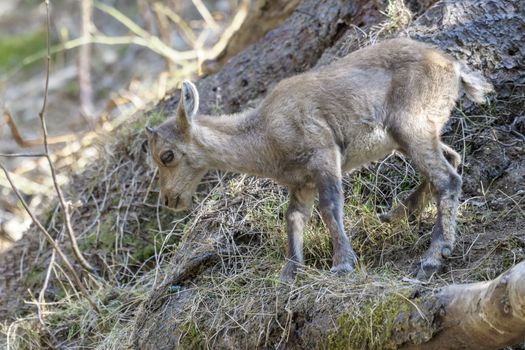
(297, 215)
(331, 208)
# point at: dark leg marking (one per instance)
(447, 184)
(331, 208)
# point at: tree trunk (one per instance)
(253, 20)
(488, 35)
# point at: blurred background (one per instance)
(109, 58)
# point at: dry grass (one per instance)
(397, 17)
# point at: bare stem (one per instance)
(84, 63)
(18, 155)
(63, 203)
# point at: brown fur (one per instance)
(314, 127)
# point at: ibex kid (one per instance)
(316, 126)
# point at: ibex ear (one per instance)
(150, 132)
(188, 104)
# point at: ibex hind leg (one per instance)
(447, 185)
(419, 199)
(427, 153)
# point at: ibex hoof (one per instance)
(386, 218)
(427, 270)
(446, 252)
(290, 272)
(342, 268)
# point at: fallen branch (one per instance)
(485, 315)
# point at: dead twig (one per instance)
(32, 143)
(163, 11)
(206, 15)
(142, 37)
(65, 205)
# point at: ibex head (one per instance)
(172, 148)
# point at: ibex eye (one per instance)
(167, 157)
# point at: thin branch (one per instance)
(164, 34)
(151, 41)
(63, 203)
(161, 10)
(32, 143)
(153, 45)
(50, 240)
(84, 65)
(206, 15)
(227, 34)
(18, 155)
(122, 18)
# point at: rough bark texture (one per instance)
(489, 36)
(486, 315)
(261, 17)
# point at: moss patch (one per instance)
(381, 323)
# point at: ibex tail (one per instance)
(474, 84)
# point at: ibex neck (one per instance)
(232, 142)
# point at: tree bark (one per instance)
(258, 17)
(487, 34)
(486, 315)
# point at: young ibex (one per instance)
(316, 126)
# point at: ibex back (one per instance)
(316, 126)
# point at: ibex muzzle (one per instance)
(314, 127)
